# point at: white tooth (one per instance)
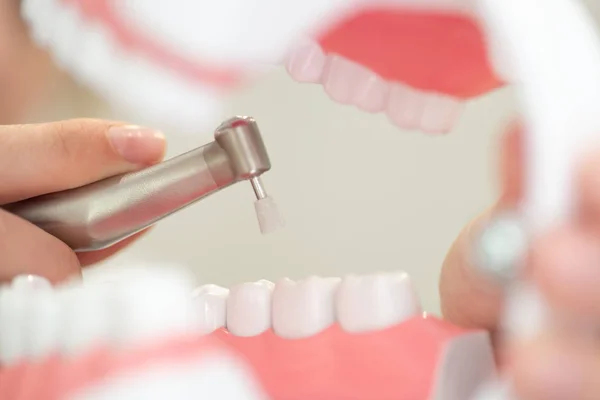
(86, 318)
(66, 38)
(249, 308)
(210, 304)
(405, 106)
(97, 61)
(372, 302)
(41, 15)
(347, 82)
(30, 282)
(13, 306)
(153, 307)
(305, 308)
(440, 113)
(43, 324)
(306, 62)
(372, 93)
(196, 105)
(216, 376)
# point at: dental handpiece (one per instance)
(98, 215)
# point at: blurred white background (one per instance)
(359, 195)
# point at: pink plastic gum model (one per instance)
(323, 338)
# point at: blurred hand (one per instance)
(565, 264)
(45, 158)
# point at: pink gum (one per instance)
(396, 363)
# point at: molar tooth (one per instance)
(440, 113)
(306, 62)
(66, 38)
(249, 308)
(43, 325)
(210, 303)
(86, 318)
(13, 306)
(405, 106)
(152, 307)
(373, 302)
(304, 308)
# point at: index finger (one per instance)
(45, 158)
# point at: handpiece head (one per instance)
(242, 141)
(240, 138)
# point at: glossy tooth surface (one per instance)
(347, 82)
(66, 39)
(249, 308)
(44, 329)
(306, 62)
(149, 93)
(210, 303)
(153, 307)
(86, 318)
(212, 377)
(97, 58)
(440, 113)
(373, 302)
(13, 305)
(405, 106)
(302, 309)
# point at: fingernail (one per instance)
(137, 145)
(555, 373)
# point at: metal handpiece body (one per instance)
(100, 214)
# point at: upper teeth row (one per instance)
(36, 320)
(347, 82)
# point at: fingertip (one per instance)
(468, 298)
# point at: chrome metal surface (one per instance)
(100, 214)
(259, 190)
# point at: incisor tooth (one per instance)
(405, 106)
(304, 308)
(249, 308)
(86, 318)
(440, 113)
(306, 62)
(210, 304)
(13, 305)
(347, 82)
(373, 302)
(43, 325)
(153, 307)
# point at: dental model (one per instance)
(150, 336)
(414, 60)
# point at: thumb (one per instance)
(44, 158)
(468, 297)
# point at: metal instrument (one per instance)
(98, 215)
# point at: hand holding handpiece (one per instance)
(44, 158)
